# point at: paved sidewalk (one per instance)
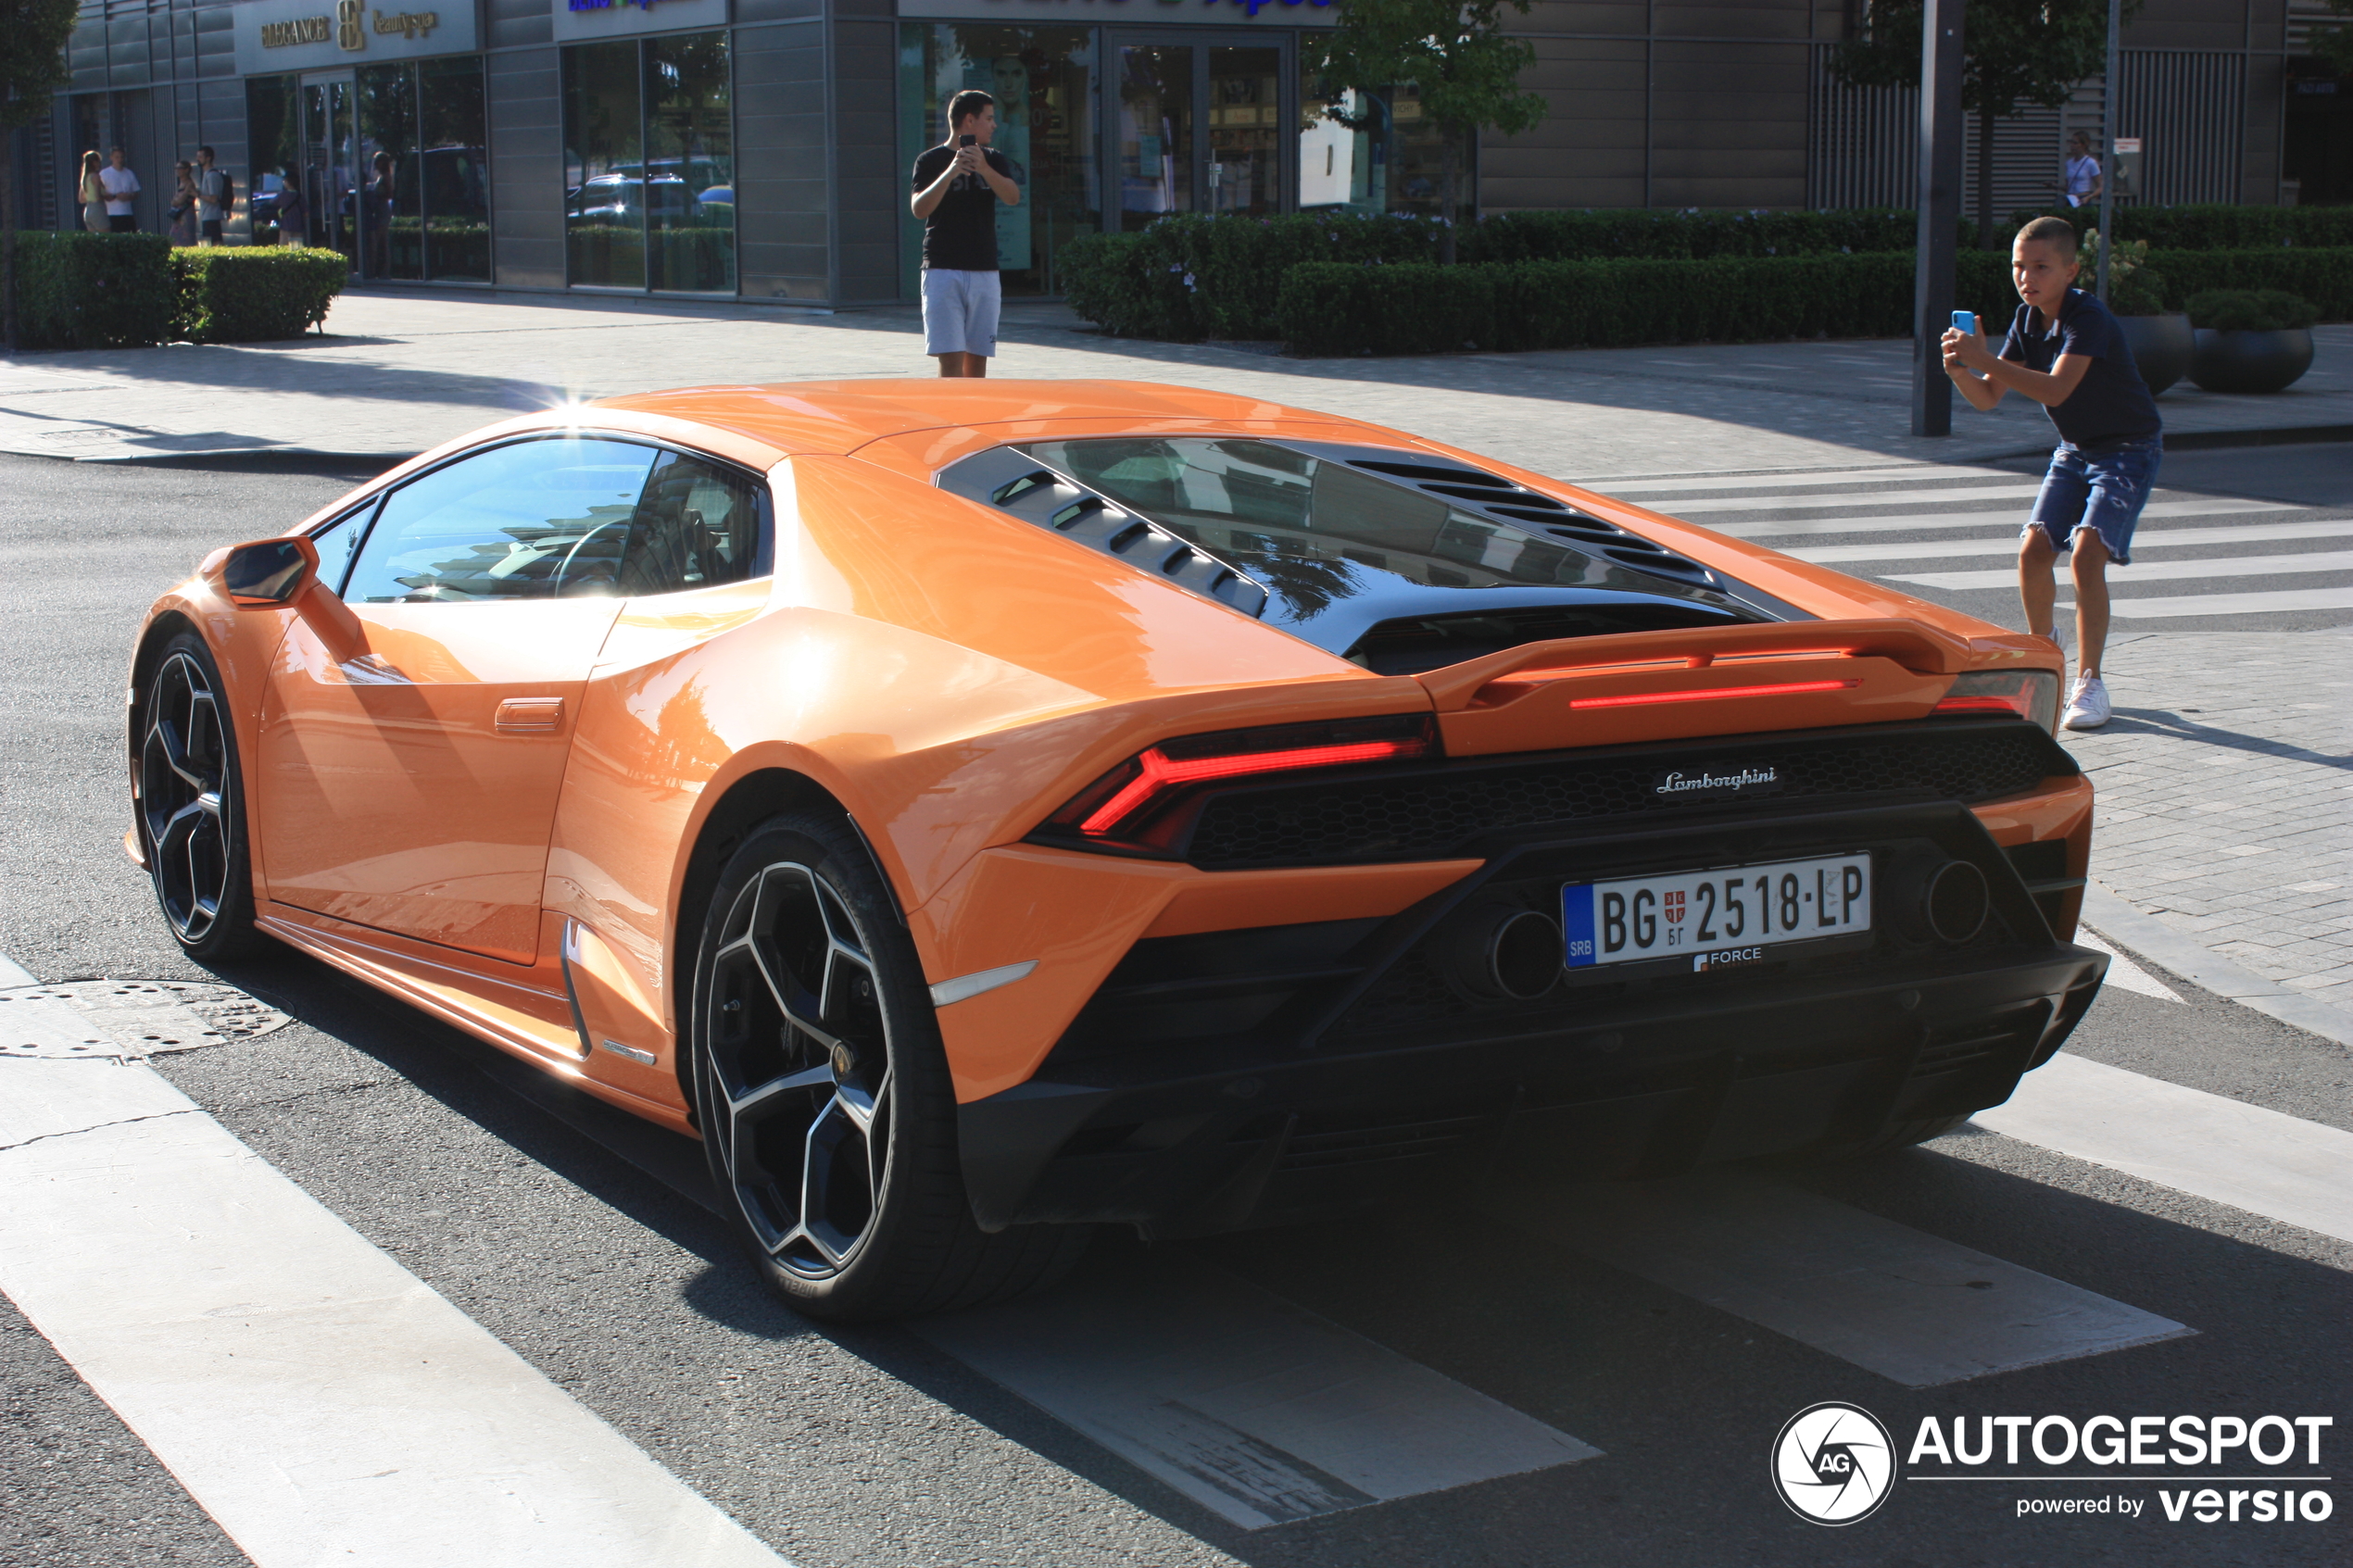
(2226, 802)
(402, 370)
(2225, 794)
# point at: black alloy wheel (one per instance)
(189, 803)
(822, 1093)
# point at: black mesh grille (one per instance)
(1430, 813)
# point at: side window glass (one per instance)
(339, 541)
(696, 525)
(537, 520)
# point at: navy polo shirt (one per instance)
(2111, 405)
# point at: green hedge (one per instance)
(123, 291)
(1596, 234)
(254, 293)
(1420, 308)
(2213, 226)
(93, 291)
(1189, 277)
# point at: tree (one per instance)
(2333, 44)
(2019, 52)
(1454, 52)
(33, 66)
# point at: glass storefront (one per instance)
(1385, 157)
(649, 168)
(392, 162)
(1043, 79)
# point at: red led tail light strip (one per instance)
(1157, 771)
(1778, 688)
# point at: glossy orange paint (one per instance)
(947, 675)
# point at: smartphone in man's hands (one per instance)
(1965, 323)
(966, 140)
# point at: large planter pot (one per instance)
(2162, 347)
(2251, 361)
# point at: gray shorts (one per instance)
(960, 311)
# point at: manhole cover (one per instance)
(128, 1018)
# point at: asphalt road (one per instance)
(581, 1241)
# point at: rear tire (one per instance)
(823, 1093)
(188, 803)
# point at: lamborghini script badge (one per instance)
(1710, 784)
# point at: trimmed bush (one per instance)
(2322, 277)
(2211, 226)
(93, 291)
(2250, 310)
(254, 294)
(1595, 233)
(1192, 276)
(1330, 310)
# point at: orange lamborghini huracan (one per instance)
(985, 810)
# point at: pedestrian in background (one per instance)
(183, 230)
(216, 197)
(293, 213)
(2066, 351)
(958, 185)
(2082, 171)
(378, 207)
(90, 193)
(121, 185)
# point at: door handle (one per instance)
(530, 715)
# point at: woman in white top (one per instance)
(92, 195)
(2082, 171)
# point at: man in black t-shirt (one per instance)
(958, 185)
(2066, 352)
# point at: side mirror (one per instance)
(268, 572)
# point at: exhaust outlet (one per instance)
(1956, 901)
(1509, 954)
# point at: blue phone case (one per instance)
(1965, 321)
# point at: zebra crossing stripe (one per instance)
(1894, 475)
(317, 1399)
(1675, 507)
(2156, 539)
(2275, 602)
(2152, 572)
(2008, 519)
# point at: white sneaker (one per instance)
(2087, 709)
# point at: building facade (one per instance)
(759, 149)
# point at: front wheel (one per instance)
(822, 1093)
(188, 802)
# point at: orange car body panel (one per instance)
(947, 723)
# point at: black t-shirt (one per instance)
(2111, 404)
(961, 234)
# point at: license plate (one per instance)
(1726, 916)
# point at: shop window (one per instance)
(1043, 79)
(453, 172)
(1391, 160)
(649, 166)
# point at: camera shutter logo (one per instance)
(1833, 1464)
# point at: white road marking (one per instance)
(1911, 1307)
(2279, 1167)
(2008, 519)
(2123, 974)
(2273, 602)
(2154, 571)
(1675, 507)
(2154, 539)
(317, 1399)
(1892, 474)
(1252, 1406)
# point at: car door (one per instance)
(409, 772)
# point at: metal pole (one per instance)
(1940, 197)
(2109, 87)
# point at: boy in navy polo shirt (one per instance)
(2066, 352)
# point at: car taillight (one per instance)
(1133, 803)
(2028, 694)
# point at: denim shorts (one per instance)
(960, 311)
(2104, 492)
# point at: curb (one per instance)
(2146, 935)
